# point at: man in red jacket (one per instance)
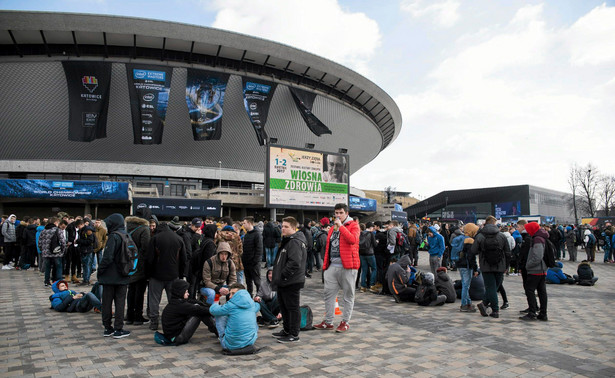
(341, 264)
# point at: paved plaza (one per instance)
(385, 338)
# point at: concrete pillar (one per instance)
(1, 208)
(272, 214)
(87, 209)
(301, 216)
(244, 212)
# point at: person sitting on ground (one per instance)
(65, 300)
(444, 285)
(556, 275)
(585, 274)
(427, 294)
(182, 316)
(236, 320)
(218, 273)
(268, 299)
(399, 278)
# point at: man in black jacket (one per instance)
(307, 232)
(138, 229)
(289, 278)
(114, 284)
(165, 261)
(182, 316)
(382, 256)
(252, 255)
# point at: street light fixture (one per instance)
(220, 174)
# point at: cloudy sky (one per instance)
(492, 93)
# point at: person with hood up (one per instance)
(590, 245)
(87, 242)
(236, 320)
(536, 274)
(138, 228)
(115, 285)
(206, 250)
(271, 240)
(444, 285)
(268, 299)
(427, 294)
(182, 316)
(10, 241)
(585, 274)
(219, 273)
(229, 235)
(557, 276)
(609, 246)
(456, 242)
(436, 248)
(571, 239)
(400, 277)
(467, 267)
(65, 300)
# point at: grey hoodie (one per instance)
(392, 235)
(8, 230)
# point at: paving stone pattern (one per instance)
(385, 339)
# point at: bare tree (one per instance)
(572, 182)
(607, 193)
(587, 181)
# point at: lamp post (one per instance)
(220, 174)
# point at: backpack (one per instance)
(401, 243)
(591, 241)
(54, 244)
(492, 250)
(306, 318)
(419, 296)
(549, 254)
(364, 242)
(418, 238)
(317, 244)
(129, 255)
(228, 264)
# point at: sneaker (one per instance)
(288, 339)
(47, 284)
(108, 332)
(324, 325)
(260, 321)
(397, 298)
(363, 289)
(542, 317)
(495, 315)
(129, 321)
(96, 310)
(273, 324)
(162, 340)
(307, 275)
(374, 289)
(524, 311)
(528, 317)
(153, 325)
(504, 306)
(279, 334)
(471, 308)
(482, 309)
(120, 334)
(343, 327)
(141, 321)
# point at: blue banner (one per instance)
(507, 209)
(180, 207)
(363, 204)
(48, 189)
(400, 216)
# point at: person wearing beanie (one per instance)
(219, 272)
(228, 234)
(427, 294)
(536, 274)
(467, 267)
(571, 239)
(444, 285)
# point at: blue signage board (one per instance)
(180, 207)
(400, 216)
(362, 204)
(56, 189)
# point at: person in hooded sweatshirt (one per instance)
(87, 242)
(399, 278)
(138, 228)
(65, 300)
(536, 274)
(268, 299)
(557, 276)
(229, 235)
(585, 274)
(444, 285)
(182, 316)
(467, 267)
(436, 248)
(236, 319)
(427, 294)
(219, 273)
(114, 284)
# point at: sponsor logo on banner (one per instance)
(149, 97)
(90, 83)
(140, 74)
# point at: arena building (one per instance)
(38, 49)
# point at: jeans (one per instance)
(89, 301)
(57, 263)
(434, 263)
(221, 327)
(271, 254)
(368, 263)
(113, 294)
(493, 280)
(466, 279)
(241, 277)
(289, 298)
(270, 309)
(337, 278)
(536, 283)
(86, 260)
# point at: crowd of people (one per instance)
(210, 270)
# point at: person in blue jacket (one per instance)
(65, 300)
(236, 319)
(556, 275)
(436, 248)
(38, 249)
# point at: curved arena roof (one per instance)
(34, 100)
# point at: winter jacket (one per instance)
(101, 237)
(585, 272)
(19, 233)
(370, 243)
(524, 249)
(39, 229)
(266, 291)
(349, 245)
(271, 235)
(220, 273)
(87, 240)
(431, 294)
(229, 235)
(179, 310)
(30, 235)
(8, 230)
(457, 244)
(109, 267)
(252, 248)
(381, 243)
(44, 241)
(138, 229)
(535, 264)
(397, 276)
(392, 235)
(556, 275)
(241, 328)
(309, 241)
(166, 255)
(444, 285)
(554, 236)
(62, 301)
(464, 261)
(436, 243)
(571, 236)
(289, 265)
(206, 250)
(510, 239)
(478, 249)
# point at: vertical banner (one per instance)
(205, 96)
(88, 99)
(257, 96)
(149, 88)
(304, 101)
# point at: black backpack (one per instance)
(55, 248)
(419, 296)
(492, 250)
(549, 255)
(129, 255)
(364, 241)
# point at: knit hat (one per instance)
(325, 221)
(532, 228)
(428, 278)
(441, 269)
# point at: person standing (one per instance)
(252, 255)
(436, 248)
(138, 229)
(114, 284)
(341, 264)
(271, 240)
(467, 267)
(367, 241)
(288, 279)
(536, 274)
(571, 239)
(10, 241)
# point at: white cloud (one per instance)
(321, 27)
(443, 13)
(591, 37)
